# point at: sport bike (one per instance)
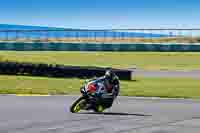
(88, 99)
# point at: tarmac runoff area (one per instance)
(168, 73)
(50, 114)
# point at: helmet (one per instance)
(109, 74)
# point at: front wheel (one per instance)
(76, 106)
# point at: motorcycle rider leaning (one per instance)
(108, 88)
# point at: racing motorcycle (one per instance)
(88, 100)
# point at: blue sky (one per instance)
(102, 14)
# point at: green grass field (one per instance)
(143, 60)
(162, 87)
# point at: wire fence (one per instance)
(103, 36)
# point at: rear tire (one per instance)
(75, 107)
(99, 109)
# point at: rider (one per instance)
(107, 88)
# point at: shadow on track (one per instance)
(114, 113)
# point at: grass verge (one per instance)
(147, 87)
(143, 60)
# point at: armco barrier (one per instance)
(99, 47)
(14, 68)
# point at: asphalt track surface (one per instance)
(128, 115)
(168, 73)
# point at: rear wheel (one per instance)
(76, 106)
(99, 109)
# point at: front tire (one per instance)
(75, 107)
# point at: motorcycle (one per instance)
(88, 100)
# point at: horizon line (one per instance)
(92, 29)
